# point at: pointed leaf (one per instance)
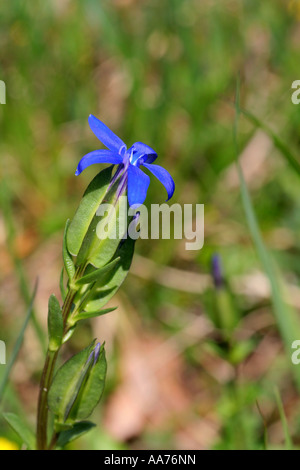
(55, 324)
(97, 274)
(21, 429)
(69, 334)
(90, 202)
(77, 431)
(86, 315)
(114, 224)
(92, 391)
(66, 383)
(104, 290)
(63, 291)
(68, 261)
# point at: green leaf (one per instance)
(78, 387)
(84, 215)
(86, 315)
(91, 393)
(104, 290)
(69, 334)
(98, 273)
(113, 226)
(63, 291)
(77, 431)
(66, 384)
(55, 324)
(21, 429)
(68, 261)
(17, 346)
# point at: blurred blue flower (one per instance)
(130, 160)
(217, 271)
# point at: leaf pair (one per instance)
(91, 237)
(104, 289)
(77, 387)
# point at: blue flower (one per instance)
(130, 160)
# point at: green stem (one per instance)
(48, 371)
(53, 441)
(42, 420)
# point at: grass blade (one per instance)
(287, 321)
(287, 436)
(6, 205)
(278, 143)
(21, 428)
(17, 346)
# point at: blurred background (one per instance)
(194, 362)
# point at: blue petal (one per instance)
(98, 156)
(105, 135)
(138, 184)
(163, 176)
(143, 150)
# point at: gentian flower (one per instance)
(129, 161)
